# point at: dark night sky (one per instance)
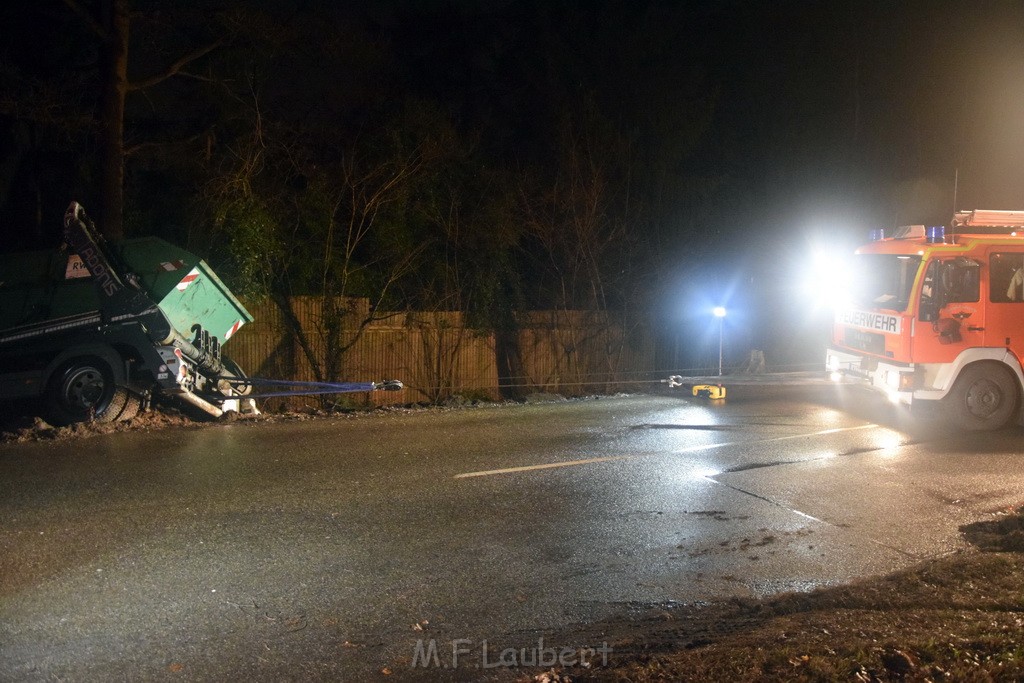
(797, 121)
(860, 110)
(855, 112)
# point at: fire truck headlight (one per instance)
(906, 381)
(827, 281)
(899, 381)
(832, 367)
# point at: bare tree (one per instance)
(365, 190)
(110, 23)
(580, 222)
(330, 246)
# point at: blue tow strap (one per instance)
(304, 388)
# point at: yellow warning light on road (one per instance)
(711, 391)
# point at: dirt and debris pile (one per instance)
(24, 427)
(1004, 534)
(27, 429)
(948, 619)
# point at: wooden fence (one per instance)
(438, 357)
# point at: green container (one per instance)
(185, 287)
(41, 286)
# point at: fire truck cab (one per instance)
(937, 314)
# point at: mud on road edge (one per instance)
(954, 618)
(25, 425)
(20, 423)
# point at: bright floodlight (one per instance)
(719, 312)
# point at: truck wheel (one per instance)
(984, 397)
(83, 389)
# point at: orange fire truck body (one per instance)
(937, 314)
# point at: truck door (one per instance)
(951, 302)
(1005, 315)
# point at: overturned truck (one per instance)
(96, 329)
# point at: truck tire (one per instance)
(984, 397)
(83, 389)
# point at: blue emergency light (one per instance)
(935, 234)
(876, 235)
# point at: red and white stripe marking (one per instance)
(192, 276)
(234, 328)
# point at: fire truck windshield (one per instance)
(884, 280)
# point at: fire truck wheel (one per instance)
(984, 397)
(83, 389)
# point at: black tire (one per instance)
(984, 397)
(83, 389)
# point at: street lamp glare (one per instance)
(719, 312)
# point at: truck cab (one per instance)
(937, 314)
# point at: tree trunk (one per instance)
(508, 358)
(116, 21)
(294, 325)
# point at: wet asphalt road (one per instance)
(325, 549)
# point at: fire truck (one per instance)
(937, 314)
